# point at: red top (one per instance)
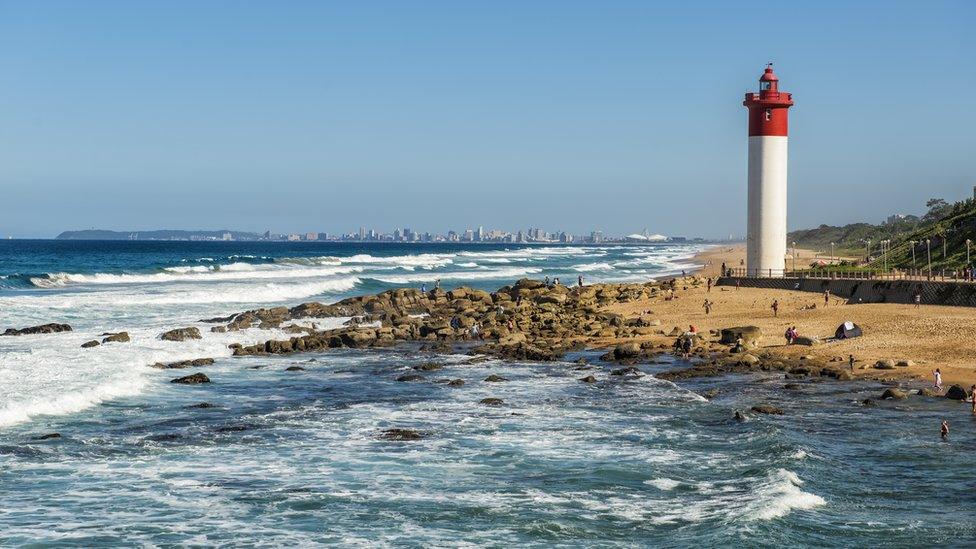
(768, 108)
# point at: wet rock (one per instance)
(588, 379)
(748, 359)
(893, 393)
(192, 379)
(956, 392)
(184, 364)
(410, 377)
(400, 434)
(200, 405)
(52, 328)
(739, 416)
(455, 383)
(120, 337)
(428, 367)
(750, 335)
(294, 369)
(491, 401)
(47, 436)
(626, 350)
(181, 334)
(868, 403)
(710, 394)
(629, 370)
(929, 392)
(495, 378)
(767, 409)
(90, 344)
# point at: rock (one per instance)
(410, 377)
(184, 364)
(929, 392)
(739, 416)
(52, 328)
(956, 392)
(792, 387)
(428, 367)
(90, 344)
(629, 370)
(710, 394)
(121, 337)
(626, 350)
(455, 383)
(201, 405)
(767, 409)
(905, 363)
(494, 378)
(491, 401)
(181, 334)
(588, 379)
(809, 341)
(192, 379)
(400, 434)
(294, 369)
(885, 364)
(868, 402)
(894, 393)
(746, 358)
(47, 436)
(750, 335)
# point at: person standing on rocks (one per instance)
(850, 360)
(579, 281)
(725, 271)
(938, 379)
(775, 307)
(437, 284)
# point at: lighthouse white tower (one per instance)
(766, 230)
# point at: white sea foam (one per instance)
(663, 483)
(779, 495)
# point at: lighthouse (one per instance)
(768, 130)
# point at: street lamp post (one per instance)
(794, 258)
(884, 254)
(831, 254)
(912, 242)
(867, 256)
(968, 243)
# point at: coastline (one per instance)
(931, 336)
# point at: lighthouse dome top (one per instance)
(768, 74)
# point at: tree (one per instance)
(938, 208)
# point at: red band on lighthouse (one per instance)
(768, 108)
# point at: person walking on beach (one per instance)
(918, 299)
(725, 272)
(708, 306)
(708, 285)
(944, 431)
(737, 284)
(775, 307)
(850, 360)
(938, 379)
(826, 297)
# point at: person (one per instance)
(682, 273)
(579, 281)
(708, 285)
(918, 299)
(437, 284)
(789, 336)
(547, 282)
(944, 431)
(423, 288)
(826, 297)
(555, 282)
(687, 347)
(737, 284)
(475, 330)
(775, 307)
(972, 393)
(456, 322)
(938, 379)
(725, 271)
(850, 360)
(707, 306)
(692, 329)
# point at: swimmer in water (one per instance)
(945, 430)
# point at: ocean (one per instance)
(293, 457)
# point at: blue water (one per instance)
(294, 458)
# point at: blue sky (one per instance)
(296, 116)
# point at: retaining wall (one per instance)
(870, 291)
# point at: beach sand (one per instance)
(930, 336)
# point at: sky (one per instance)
(612, 115)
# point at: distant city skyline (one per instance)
(324, 116)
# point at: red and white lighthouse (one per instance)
(768, 129)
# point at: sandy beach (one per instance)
(929, 336)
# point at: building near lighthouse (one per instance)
(768, 134)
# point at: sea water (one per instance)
(295, 458)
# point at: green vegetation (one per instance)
(944, 225)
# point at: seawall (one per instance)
(962, 294)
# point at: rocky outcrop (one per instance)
(400, 434)
(893, 393)
(956, 392)
(52, 328)
(750, 335)
(495, 378)
(181, 334)
(192, 379)
(90, 344)
(120, 337)
(184, 364)
(491, 401)
(410, 377)
(767, 409)
(885, 364)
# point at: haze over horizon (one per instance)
(614, 116)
